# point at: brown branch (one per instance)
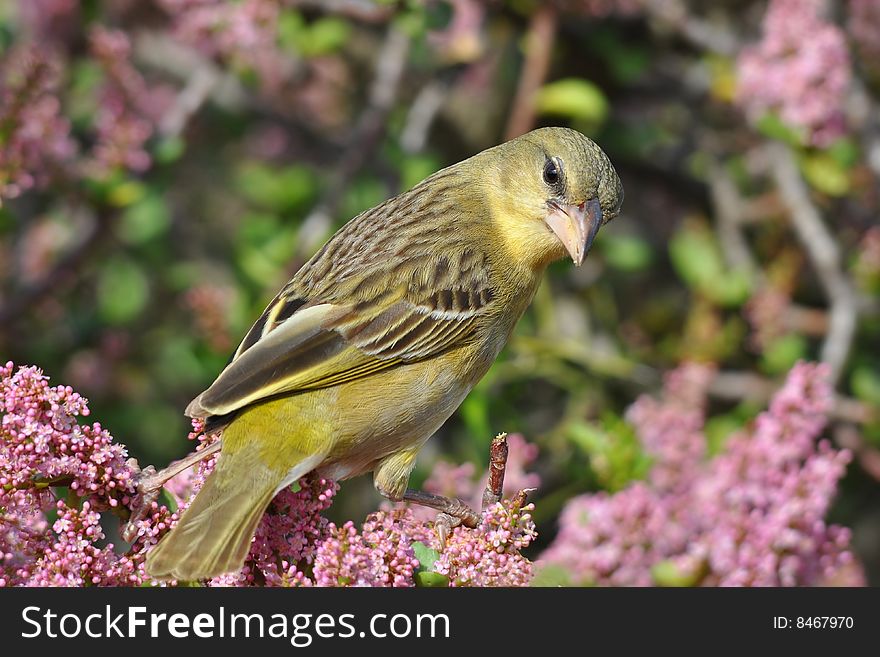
(539, 48)
(498, 452)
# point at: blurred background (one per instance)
(166, 165)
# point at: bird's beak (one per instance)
(575, 226)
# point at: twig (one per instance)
(162, 53)
(362, 10)
(701, 33)
(365, 139)
(198, 89)
(150, 484)
(421, 115)
(728, 209)
(824, 254)
(539, 48)
(848, 437)
(747, 386)
(498, 452)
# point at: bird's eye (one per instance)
(551, 173)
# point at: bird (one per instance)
(379, 337)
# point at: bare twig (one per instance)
(705, 35)
(747, 386)
(198, 89)
(164, 54)
(365, 139)
(498, 451)
(728, 208)
(847, 436)
(824, 254)
(421, 115)
(366, 11)
(150, 484)
(539, 48)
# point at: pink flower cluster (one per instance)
(800, 69)
(751, 516)
(34, 136)
(491, 555)
(42, 446)
(128, 108)
(381, 555)
(47, 540)
(244, 33)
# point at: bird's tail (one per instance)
(214, 534)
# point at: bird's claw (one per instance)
(443, 525)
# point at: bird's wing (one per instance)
(300, 344)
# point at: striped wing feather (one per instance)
(300, 345)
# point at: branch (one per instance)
(539, 47)
(745, 386)
(421, 115)
(824, 254)
(364, 140)
(702, 34)
(728, 210)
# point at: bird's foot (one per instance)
(454, 512)
(150, 483)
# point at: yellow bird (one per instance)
(376, 341)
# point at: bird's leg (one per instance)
(454, 512)
(150, 482)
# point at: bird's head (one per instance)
(554, 189)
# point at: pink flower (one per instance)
(800, 69)
(752, 516)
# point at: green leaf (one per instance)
(845, 152)
(551, 575)
(144, 220)
(826, 174)
(426, 556)
(667, 573)
(573, 98)
(782, 353)
(431, 580)
(416, 168)
(125, 192)
(123, 291)
(697, 259)
(169, 150)
(281, 190)
(322, 36)
(865, 384)
(625, 252)
(167, 499)
(772, 126)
